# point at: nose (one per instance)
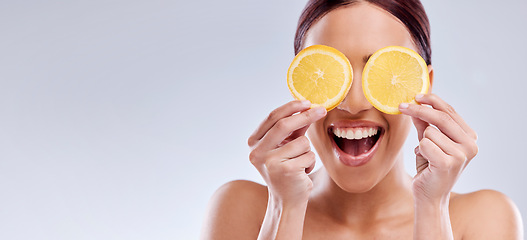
(355, 101)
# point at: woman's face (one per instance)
(358, 165)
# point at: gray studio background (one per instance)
(119, 119)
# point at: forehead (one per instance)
(360, 28)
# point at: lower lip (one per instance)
(355, 161)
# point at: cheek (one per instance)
(400, 126)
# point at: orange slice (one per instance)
(394, 75)
(320, 74)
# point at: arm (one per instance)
(281, 153)
(446, 146)
(443, 153)
(283, 221)
(432, 220)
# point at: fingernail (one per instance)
(419, 96)
(403, 105)
(306, 103)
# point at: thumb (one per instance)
(300, 132)
(294, 135)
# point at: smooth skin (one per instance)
(378, 200)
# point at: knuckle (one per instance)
(424, 142)
(304, 141)
(449, 109)
(282, 125)
(432, 97)
(425, 146)
(307, 147)
(449, 163)
(460, 157)
(419, 111)
(311, 155)
(421, 144)
(428, 131)
(253, 157)
(474, 135)
(297, 104)
(251, 141)
(309, 186)
(273, 115)
(308, 115)
(444, 117)
(474, 149)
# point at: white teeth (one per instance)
(354, 133)
(350, 135)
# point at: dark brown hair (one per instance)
(410, 12)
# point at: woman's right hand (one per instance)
(282, 153)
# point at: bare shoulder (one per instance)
(486, 214)
(236, 211)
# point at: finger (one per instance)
(420, 125)
(443, 142)
(442, 120)
(439, 104)
(283, 111)
(301, 162)
(295, 134)
(431, 152)
(294, 148)
(285, 126)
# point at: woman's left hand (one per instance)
(446, 146)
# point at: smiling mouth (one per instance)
(355, 145)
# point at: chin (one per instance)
(359, 179)
(355, 185)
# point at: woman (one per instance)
(369, 195)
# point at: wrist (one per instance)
(434, 211)
(432, 219)
(283, 219)
(437, 202)
(288, 205)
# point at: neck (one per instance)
(391, 197)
